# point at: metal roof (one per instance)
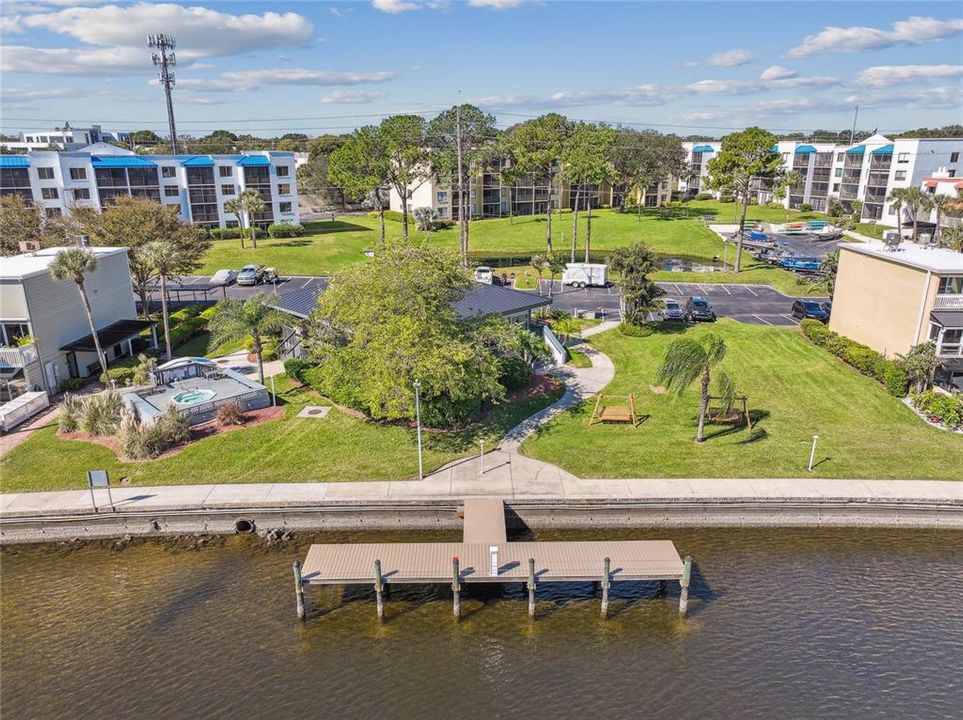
(110, 335)
(805, 149)
(299, 302)
(948, 318)
(252, 160)
(120, 161)
(885, 150)
(198, 161)
(14, 161)
(858, 150)
(484, 299)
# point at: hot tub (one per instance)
(193, 397)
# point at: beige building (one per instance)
(892, 299)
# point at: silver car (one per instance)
(672, 311)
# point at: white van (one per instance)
(585, 275)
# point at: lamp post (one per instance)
(421, 467)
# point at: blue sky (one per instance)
(690, 67)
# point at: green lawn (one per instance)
(795, 389)
(578, 359)
(728, 213)
(200, 346)
(290, 449)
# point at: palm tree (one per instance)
(952, 238)
(688, 359)
(245, 206)
(940, 204)
(165, 259)
(915, 200)
(897, 197)
(74, 264)
(253, 318)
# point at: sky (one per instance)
(315, 67)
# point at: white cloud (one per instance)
(728, 58)
(63, 61)
(777, 72)
(724, 87)
(697, 117)
(884, 75)
(199, 31)
(396, 6)
(496, 4)
(811, 81)
(914, 31)
(505, 102)
(936, 98)
(10, 24)
(789, 79)
(648, 95)
(334, 11)
(787, 106)
(245, 80)
(350, 97)
(53, 93)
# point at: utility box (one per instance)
(585, 275)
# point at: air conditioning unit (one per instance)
(890, 235)
(926, 238)
(28, 246)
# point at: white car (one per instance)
(483, 274)
(223, 277)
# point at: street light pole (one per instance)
(421, 467)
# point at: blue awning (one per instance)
(121, 161)
(14, 161)
(885, 150)
(703, 149)
(252, 160)
(198, 161)
(774, 148)
(805, 149)
(858, 150)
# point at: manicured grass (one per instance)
(290, 449)
(795, 390)
(728, 213)
(578, 359)
(200, 346)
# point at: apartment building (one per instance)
(867, 171)
(43, 327)
(892, 298)
(197, 185)
(66, 138)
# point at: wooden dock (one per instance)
(486, 556)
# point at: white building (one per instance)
(66, 138)
(50, 314)
(867, 171)
(198, 185)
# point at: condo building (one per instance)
(197, 185)
(65, 138)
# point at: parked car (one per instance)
(250, 275)
(483, 274)
(803, 309)
(270, 275)
(223, 277)
(698, 308)
(672, 311)
(585, 275)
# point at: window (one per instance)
(49, 193)
(45, 173)
(951, 285)
(952, 173)
(839, 172)
(81, 193)
(78, 173)
(840, 157)
(285, 207)
(954, 157)
(835, 187)
(284, 188)
(225, 171)
(52, 212)
(227, 189)
(231, 223)
(12, 331)
(283, 170)
(442, 197)
(172, 191)
(900, 175)
(168, 171)
(892, 210)
(902, 158)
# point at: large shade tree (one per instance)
(75, 264)
(360, 168)
(746, 159)
(644, 158)
(408, 157)
(25, 222)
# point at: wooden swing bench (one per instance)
(615, 413)
(734, 415)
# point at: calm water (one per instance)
(784, 624)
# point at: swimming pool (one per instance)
(192, 397)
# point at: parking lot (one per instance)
(753, 304)
(197, 289)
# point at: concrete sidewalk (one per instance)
(502, 478)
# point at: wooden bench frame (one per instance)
(615, 413)
(718, 414)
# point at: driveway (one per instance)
(752, 304)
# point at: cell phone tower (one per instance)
(165, 60)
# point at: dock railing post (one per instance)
(299, 590)
(606, 580)
(455, 587)
(531, 588)
(379, 589)
(684, 583)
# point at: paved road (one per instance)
(753, 304)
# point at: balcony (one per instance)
(948, 302)
(18, 357)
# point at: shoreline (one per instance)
(229, 509)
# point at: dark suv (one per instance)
(698, 308)
(803, 309)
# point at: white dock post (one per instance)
(531, 588)
(684, 583)
(299, 590)
(605, 587)
(455, 587)
(379, 590)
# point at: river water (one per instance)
(783, 624)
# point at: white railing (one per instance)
(18, 357)
(559, 353)
(948, 302)
(21, 408)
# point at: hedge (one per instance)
(295, 368)
(233, 233)
(865, 359)
(285, 230)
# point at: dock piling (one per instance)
(455, 587)
(606, 581)
(299, 590)
(379, 589)
(531, 588)
(684, 583)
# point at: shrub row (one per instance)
(285, 230)
(865, 359)
(947, 409)
(231, 233)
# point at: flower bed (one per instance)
(945, 411)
